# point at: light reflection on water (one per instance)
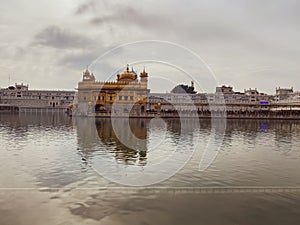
(54, 151)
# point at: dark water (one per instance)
(58, 170)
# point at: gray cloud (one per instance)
(234, 37)
(14, 52)
(240, 35)
(118, 13)
(79, 60)
(57, 37)
(85, 7)
(128, 15)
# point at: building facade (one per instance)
(250, 99)
(24, 99)
(283, 93)
(127, 94)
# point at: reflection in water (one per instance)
(47, 151)
(98, 136)
(283, 133)
(139, 144)
(20, 124)
(138, 131)
(134, 150)
(130, 146)
(58, 150)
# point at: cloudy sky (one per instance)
(245, 43)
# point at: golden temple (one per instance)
(125, 94)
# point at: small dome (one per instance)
(127, 75)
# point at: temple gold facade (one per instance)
(126, 94)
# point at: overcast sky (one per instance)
(245, 43)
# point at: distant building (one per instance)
(292, 98)
(224, 95)
(283, 93)
(168, 101)
(224, 89)
(257, 97)
(24, 99)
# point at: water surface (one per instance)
(60, 170)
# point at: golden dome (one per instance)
(127, 75)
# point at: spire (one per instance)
(144, 73)
(87, 76)
(127, 69)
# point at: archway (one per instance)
(142, 109)
(99, 108)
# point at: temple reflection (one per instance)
(128, 146)
(130, 140)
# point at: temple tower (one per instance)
(144, 79)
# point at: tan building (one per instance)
(126, 94)
(26, 100)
